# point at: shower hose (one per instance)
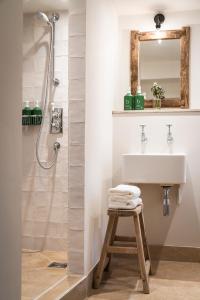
(48, 164)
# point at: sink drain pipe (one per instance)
(166, 201)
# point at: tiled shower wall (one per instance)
(45, 192)
(77, 37)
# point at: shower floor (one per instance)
(41, 282)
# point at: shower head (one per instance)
(43, 17)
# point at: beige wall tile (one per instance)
(34, 243)
(76, 111)
(76, 261)
(76, 89)
(76, 176)
(75, 240)
(76, 68)
(77, 133)
(76, 197)
(76, 155)
(76, 218)
(55, 244)
(77, 46)
(77, 24)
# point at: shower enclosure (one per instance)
(45, 153)
(53, 152)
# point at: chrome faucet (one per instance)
(170, 138)
(143, 135)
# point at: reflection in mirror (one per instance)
(159, 61)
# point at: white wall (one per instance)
(10, 148)
(101, 55)
(182, 227)
(145, 23)
(45, 192)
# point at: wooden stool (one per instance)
(140, 248)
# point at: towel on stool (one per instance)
(129, 204)
(121, 199)
(127, 192)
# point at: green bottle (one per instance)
(26, 114)
(139, 100)
(128, 101)
(36, 114)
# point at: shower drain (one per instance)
(58, 265)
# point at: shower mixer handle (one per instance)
(56, 125)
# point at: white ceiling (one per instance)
(124, 7)
(46, 5)
(137, 7)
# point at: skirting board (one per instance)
(157, 252)
(186, 254)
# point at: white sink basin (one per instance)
(154, 168)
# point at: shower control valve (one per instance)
(56, 125)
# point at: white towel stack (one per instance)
(124, 196)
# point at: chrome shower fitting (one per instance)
(50, 79)
(51, 21)
(56, 146)
(41, 15)
(54, 18)
(56, 123)
(170, 138)
(143, 136)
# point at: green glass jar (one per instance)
(139, 100)
(26, 114)
(128, 101)
(36, 114)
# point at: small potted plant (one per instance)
(158, 94)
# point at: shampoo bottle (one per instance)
(26, 114)
(37, 114)
(128, 101)
(139, 99)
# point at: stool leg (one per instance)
(111, 242)
(141, 257)
(144, 238)
(100, 267)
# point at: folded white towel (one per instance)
(125, 189)
(117, 197)
(131, 204)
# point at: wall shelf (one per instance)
(155, 111)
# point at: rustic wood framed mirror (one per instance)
(161, 57)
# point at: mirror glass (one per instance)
(159, 61)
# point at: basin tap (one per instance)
(170, 138)
(143, 135)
